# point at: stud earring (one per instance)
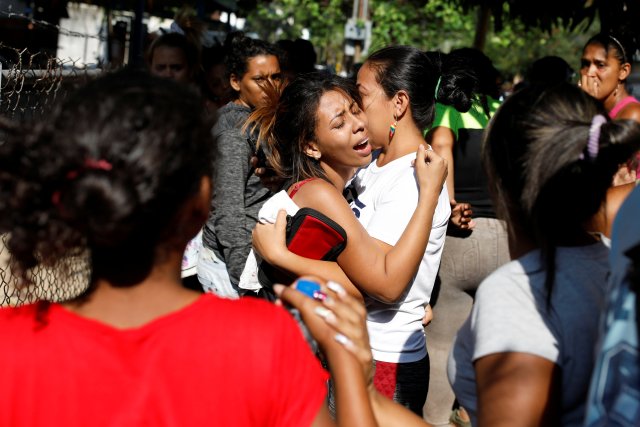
(392, 128)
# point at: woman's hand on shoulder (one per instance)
(431, 170)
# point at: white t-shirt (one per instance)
(384, 199)
(510, 314)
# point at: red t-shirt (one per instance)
(216, 362)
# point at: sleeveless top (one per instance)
(621, 104)
(296, 187)
(471, 182)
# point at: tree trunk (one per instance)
(482, 27)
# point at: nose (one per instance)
(164, 73)
(359, 123)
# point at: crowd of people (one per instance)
(271, 245)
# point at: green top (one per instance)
(447, 116)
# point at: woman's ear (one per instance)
(234, 81)
(311, 150)
(625, 70)
(400, 103)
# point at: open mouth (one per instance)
(362, 145)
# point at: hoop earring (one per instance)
(615, 92)
(392, 128)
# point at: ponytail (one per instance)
(261, 122)
(543, 173)
(467, 76)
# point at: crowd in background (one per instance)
(468, 257)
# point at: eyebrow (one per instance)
(340, 114)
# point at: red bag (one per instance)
(310, 234)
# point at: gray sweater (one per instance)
(238, 194)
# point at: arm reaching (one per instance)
(442, 140)
(382, 271)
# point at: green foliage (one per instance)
(286, 19)
(429, 25)
(435, 25)
(515, 47)
(541, 14)
(444, 25)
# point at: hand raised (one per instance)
(431, 169)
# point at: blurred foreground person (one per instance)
(122, 169)
(525, 355)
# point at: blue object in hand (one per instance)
(308, 287)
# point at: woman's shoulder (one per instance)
(318, 190)
(246, 309)
(325, 198)
(577, 268)
(631, 111)
(231, 117)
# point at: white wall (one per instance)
(87, 20)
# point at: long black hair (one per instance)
(543, 180)
(466, 75)
(407, 68)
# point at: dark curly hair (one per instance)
(107, 171)
(240, 49)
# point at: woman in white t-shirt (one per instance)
(525, 354)
(396, 85)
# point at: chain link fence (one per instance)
(68, 279)
(30, 84)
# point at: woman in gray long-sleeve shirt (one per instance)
(238, 193)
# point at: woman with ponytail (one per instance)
(525, 354)
(466, 99)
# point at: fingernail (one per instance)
(278, 289)
(307, 287)
(342, 339)
(336, 287)
(326, 314)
